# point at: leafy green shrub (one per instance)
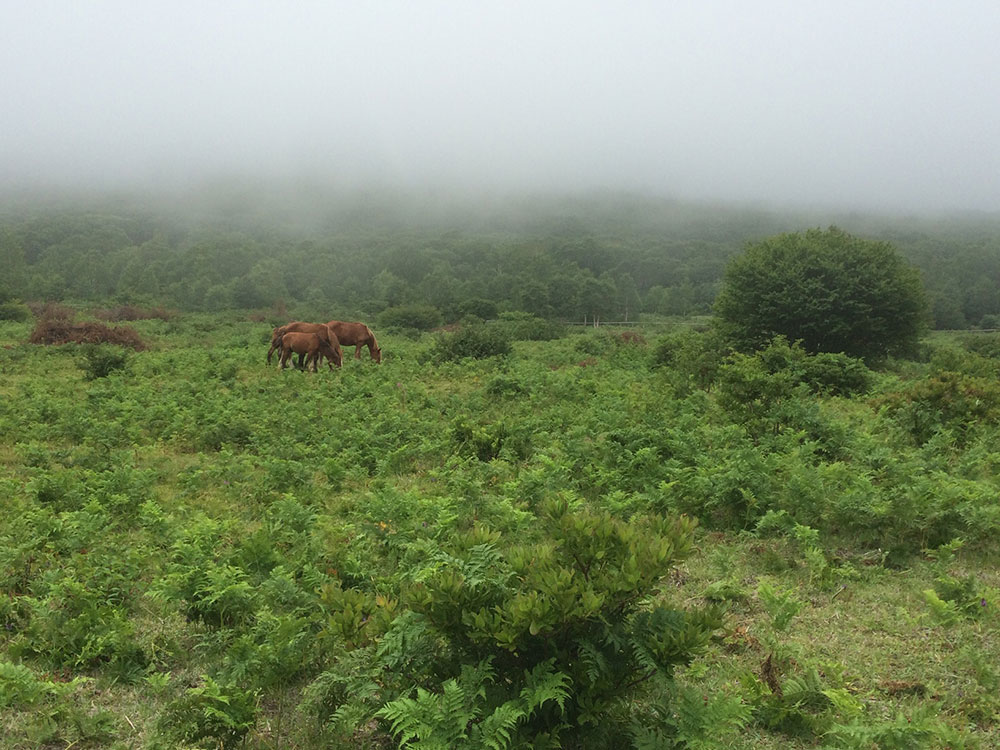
(686, 717)
(488, 442)
(593, 344)
(60, 489)
(15, 311)
(824, 372)
(956, 597)
(505, 385)
(803, 704)
(570, 623)
(768, 392)
(984, 344)
(70, 725)
(474, 341)
(836, 374)
(220, 713)
(275, 650)
(919, 728)
(832, 291)
(753, 394)
(692, 358)
(968, 361)
(481, 308)
(210, 586)
(522, 326)
(461, 716)
(101, 361)
(20, 688)
(228, 430)
(948, 400)
(75, 625)
(419, 317)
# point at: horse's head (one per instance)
(377, 355)
(332, 352)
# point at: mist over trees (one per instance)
(584, 257)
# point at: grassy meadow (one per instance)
(199, 550)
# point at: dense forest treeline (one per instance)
(605, 256)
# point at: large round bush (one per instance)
(829, 290)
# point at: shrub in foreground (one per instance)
(537, 645)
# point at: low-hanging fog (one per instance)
(885, 106)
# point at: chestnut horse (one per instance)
(310, 345)
(356, 335)
(297, 326)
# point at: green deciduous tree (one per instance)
(829, 290)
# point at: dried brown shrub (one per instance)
(65, 331)
(278, 311)
(632, 337)
(133, 312)
(51, 311)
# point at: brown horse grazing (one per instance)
(297, 326)
(309, 345)
(356, 335)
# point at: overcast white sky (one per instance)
(881, 104)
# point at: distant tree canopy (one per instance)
(829, 290)
(601, 257)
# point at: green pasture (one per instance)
(198, 550)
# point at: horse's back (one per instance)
(323, 330)
(350, 334)
(300, 326)
(299, 340)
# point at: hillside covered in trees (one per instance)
(606, 256)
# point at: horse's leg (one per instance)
(283, 360)
(275, 347)
(357, 351)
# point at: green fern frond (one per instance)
(475, 678)
(455, 709)
(495, 730)
(594, 662)
(542, 684)
(806, 691)
(405, 720)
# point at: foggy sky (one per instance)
(872, 104)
